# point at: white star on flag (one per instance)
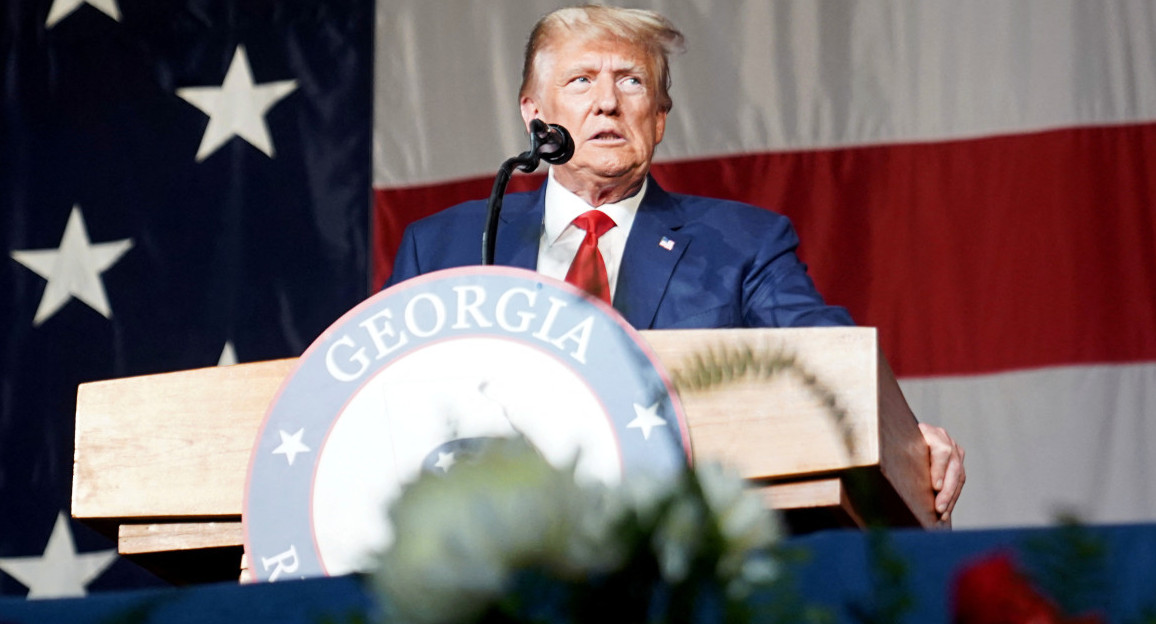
(63, 8)
(73, 269)
(60, 572)
(237, 107)
(291, 445)
(228, 355)
(646, 419)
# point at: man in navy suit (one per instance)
(689, 262)
(671, 261)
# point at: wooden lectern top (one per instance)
(165, 457)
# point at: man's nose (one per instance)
(606, 97)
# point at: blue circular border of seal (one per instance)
(617, 364)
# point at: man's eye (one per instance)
(580, 79)
(634, 83)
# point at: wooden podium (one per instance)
(161, 460)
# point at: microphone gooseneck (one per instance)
(548, 142)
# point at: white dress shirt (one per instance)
(560, 238)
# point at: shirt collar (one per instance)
(563, 206)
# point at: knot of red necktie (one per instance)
(588, 270)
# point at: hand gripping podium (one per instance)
(161, 460)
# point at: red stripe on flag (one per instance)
(970, 256)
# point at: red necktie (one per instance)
(588, 271)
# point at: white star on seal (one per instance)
(73, 269)
(60, 572)
(237, 107)
(291, 445)
(445, 461)
(63, 8)
(647, 419)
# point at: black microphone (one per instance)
(552, 143)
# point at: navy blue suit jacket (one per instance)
(730, 265)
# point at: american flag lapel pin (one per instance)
(666, 243)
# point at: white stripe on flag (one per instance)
(768, 76)
(1044, 442)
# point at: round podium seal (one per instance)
(417, 378)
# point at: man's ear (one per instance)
(530, 111)
(660, 127)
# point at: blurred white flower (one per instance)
(458, 537)
(462, 538)
(677, 539)
(747, 529)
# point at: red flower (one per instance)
(993, 591)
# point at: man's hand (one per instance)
(947, 475)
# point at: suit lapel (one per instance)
(520, 229)
(653, 249)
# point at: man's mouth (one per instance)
(606, 136)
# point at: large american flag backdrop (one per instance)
(184, 183)
(188, 182)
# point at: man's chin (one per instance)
(613, 169)
(611, 172)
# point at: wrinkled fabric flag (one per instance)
(184, 183)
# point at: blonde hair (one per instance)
(647, 29)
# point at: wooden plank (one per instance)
(805, 494)
(821, 493)
(170, 445)
(905, 462)
(177, 445)
(838, 407)
(136, 539)
(779, 424)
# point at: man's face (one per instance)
(605, 93)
